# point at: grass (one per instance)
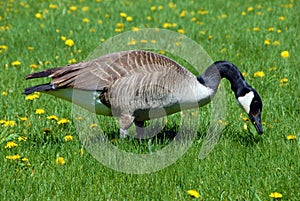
(240, 167)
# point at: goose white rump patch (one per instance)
(245, 101)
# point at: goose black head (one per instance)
(252, 104)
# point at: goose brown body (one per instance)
(134, 85)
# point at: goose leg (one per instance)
(125, 122)
(140, 128)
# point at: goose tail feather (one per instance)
(38, 88)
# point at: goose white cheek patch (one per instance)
(246, 100)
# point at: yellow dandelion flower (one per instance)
(68, 138)
(171, 5)
(245, 127)
(244, 74)
(16, 63)
(25, 159)
(4, 93)
(275, 195)
(120, 25)
(279, 31)
(134, 28)
(92, 30)
(100, 22)
(259, 74)
(270, 29)
(38, 15)
(284, 80)
(129, 19)
(118, 30)
(194, 193)
(73, 8)
(160, 7)
(86, 20)
(33, 66)
(22, 138)
(9, 123)
(10, 144)
(153, 8)
(53, 117)
(243, 13)
(63, 38)
(276, 43)
(53, 6)
(181, 31)
(267, 42)
(63, 121)
(285, 54)
(256, 29)
(85, 8)
(281, 18)
(69, 42)
(249, 9)
(13, 157)
(93, 125)
(153, 41)
(39, 111)
(144, 41)
(3, 47)
(30, 48)
(183, 13)
(132, 42)
(71, 61)
(23, 118)
(149, 18)
(60, 161)
(123, 14)
(33, 96)
(291, 137)
(209, 37)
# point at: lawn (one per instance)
(42, 156)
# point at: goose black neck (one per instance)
(231, 72)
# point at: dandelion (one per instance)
(73, 8)
(284, 80)
(181, 31)
(22, 138)
(279, 31)
(13, 157)
(132, 42)
(275, 195)
(69, 42)
(53, 6)
(144, 41)
(270, 29)
(118, 30)
(63, 121)
(171, 5)
(267, 42)
(194, 193)
(281, 18)
(10, 144)
(149, 18)
(30, 48)
(33, 66)
(71, 61)
(153, 8)
(86, 20)
(209, 37)
(276, 43)
(183, 13)
(160, 7)
(52, 117)
(38, 15)
(123, 14)
(243, 13)
(245, 127)
(285, 54)
(134, 28)
(23, 118)
(259, 74)
(3, 47)
(85, 8)
(60, 161)
(9, 123)
(16, 63)
(4, 93)
(68, 138)
(33, 96)
(129, 19)
(249, 9)
(93, 125)
(39, 111)
(291, 137)
(256, 29)
(120, 25)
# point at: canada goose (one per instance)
(129, 84)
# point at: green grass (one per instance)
(240, 167)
